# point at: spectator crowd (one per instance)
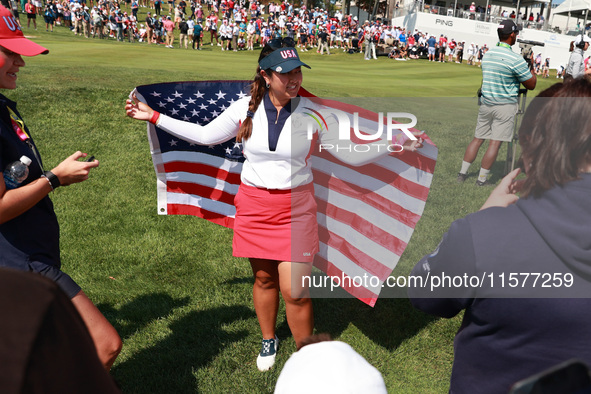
(243, 25)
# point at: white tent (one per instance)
(575, 8)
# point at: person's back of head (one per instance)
(45, 346)
(328, 367)
(555, 136)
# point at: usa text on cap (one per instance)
(282, 60)
(13, 39)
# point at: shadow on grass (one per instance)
(248, 280)
(141, 311)
(388, 324)
(193, 342)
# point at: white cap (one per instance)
(582, 37)
(329, 367)
(25, 160)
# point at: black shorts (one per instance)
(31, 16)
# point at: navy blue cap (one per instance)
(282, 60)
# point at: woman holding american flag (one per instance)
(275, 224)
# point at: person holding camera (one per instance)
(29, 230)
(576, 67)
(502, 73)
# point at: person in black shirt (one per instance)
(183, 34)
(149, 27)
(323, 37)
(303, 37)
(29, 230)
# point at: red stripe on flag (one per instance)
(387, 176)
(331, 270)
(362, 226)
(181, 209)
(363, 260)
(349, 108)
(200, 190)
(367, 196)
(202, 169)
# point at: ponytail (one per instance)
(257, 92)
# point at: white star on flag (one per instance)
(174, 111)
(182, 106)
(214, 113)
(220, 95)
(198, 94)
(155, 94)
(194, 112)
(212, 101)
(170, 99)
(203, 106)
(186, 118)
(161, 104)
(241, 95)
(223, 108)
(177, 94)
(237, 145)
(191, 100)
(228, 150)
(173, 142)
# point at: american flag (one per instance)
(366, 215)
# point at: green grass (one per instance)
(170, 285)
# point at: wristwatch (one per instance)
(54, 181)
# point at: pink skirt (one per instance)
(276, 224)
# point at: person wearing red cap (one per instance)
(29, 230)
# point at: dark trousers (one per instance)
(196, 40)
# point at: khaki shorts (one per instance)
(495, 122)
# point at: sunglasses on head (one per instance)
(277, 43)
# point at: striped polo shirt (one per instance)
(502, 72)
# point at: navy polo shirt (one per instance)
(33, 235)
(276, 123)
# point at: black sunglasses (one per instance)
(277, 43)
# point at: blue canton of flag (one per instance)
(194, 179)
